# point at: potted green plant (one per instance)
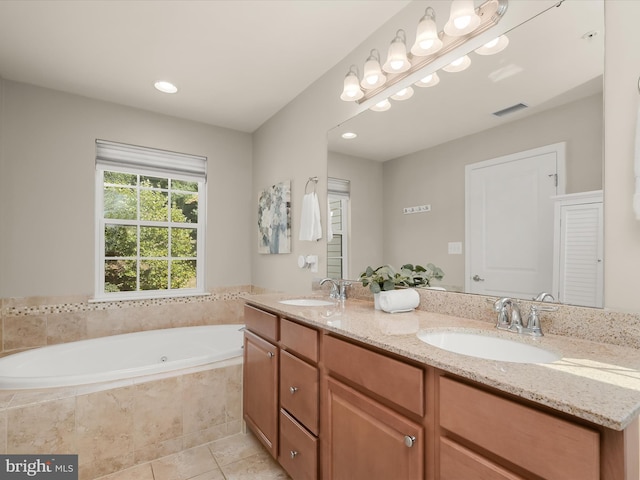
(380, 279)
(418, 276)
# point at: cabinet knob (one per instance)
(271, 354)
(293, 390)
(409, 440)
(293, 454)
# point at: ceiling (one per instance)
(547, 63)
(236, 62)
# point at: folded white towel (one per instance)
(636, 196)
(396, 301)
(310, 228)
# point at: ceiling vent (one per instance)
(509, 110)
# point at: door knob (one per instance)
(476, 278)
(271, 354)
(293, 390)
(293, 454)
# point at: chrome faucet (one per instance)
(542, 296)
(338, 288)
(509, 317)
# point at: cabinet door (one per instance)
(261, 390)
(367, 440)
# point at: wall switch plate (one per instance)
(455, 248)
(416, 209)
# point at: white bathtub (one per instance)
(120, 357)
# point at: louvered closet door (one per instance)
(581, 270)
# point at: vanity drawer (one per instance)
(263, 323)
(298, 449)
(398, 382)
(543, 444)
(299, 386)
(299, 339)
(457, 462)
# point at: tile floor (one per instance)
(239, 457)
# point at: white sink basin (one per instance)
(487, 347)
(306, 302)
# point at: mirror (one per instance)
(415, 154)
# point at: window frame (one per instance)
(101, 222)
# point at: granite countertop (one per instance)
(594, 381)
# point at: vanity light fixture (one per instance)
(430, 80)
(165, 87)
(397, 61)
(463, 18)
(381, 106)
(494, 46)
(458, 65)
(465, 23)
(403, 94)
(349, 135)
(427, 37)
(373, 76)
(351, 91)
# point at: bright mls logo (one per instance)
(49, 467)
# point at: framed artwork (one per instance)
(274, 219)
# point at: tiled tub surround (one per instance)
(598, 382)
(38, 321)
(114, 426)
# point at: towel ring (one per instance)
(315, 182)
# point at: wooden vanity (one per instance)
(329, 406)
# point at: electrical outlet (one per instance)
(455, 248)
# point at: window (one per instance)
(150, 222)
(338, 196)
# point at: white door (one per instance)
(509, 222)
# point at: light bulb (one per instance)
(462, 19)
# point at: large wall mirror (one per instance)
(421, 151)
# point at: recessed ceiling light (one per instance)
(349, 135)
(165, 87)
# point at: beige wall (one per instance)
(366, 226)
(47, 187)
(436, 176)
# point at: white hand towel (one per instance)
(636, 196)
(396, 301)
(310, 228)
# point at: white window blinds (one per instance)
(125, 158)
(339, 186)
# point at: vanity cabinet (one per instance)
(328, 407)
(280, 391)
(299, 402)
(373, 415)
(485, 436)
(260, 376)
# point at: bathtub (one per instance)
(120, 357)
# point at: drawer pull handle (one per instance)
(293, 390)
(293, 454)
(409, 440)
(271, 354)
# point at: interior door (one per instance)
(509, 222)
